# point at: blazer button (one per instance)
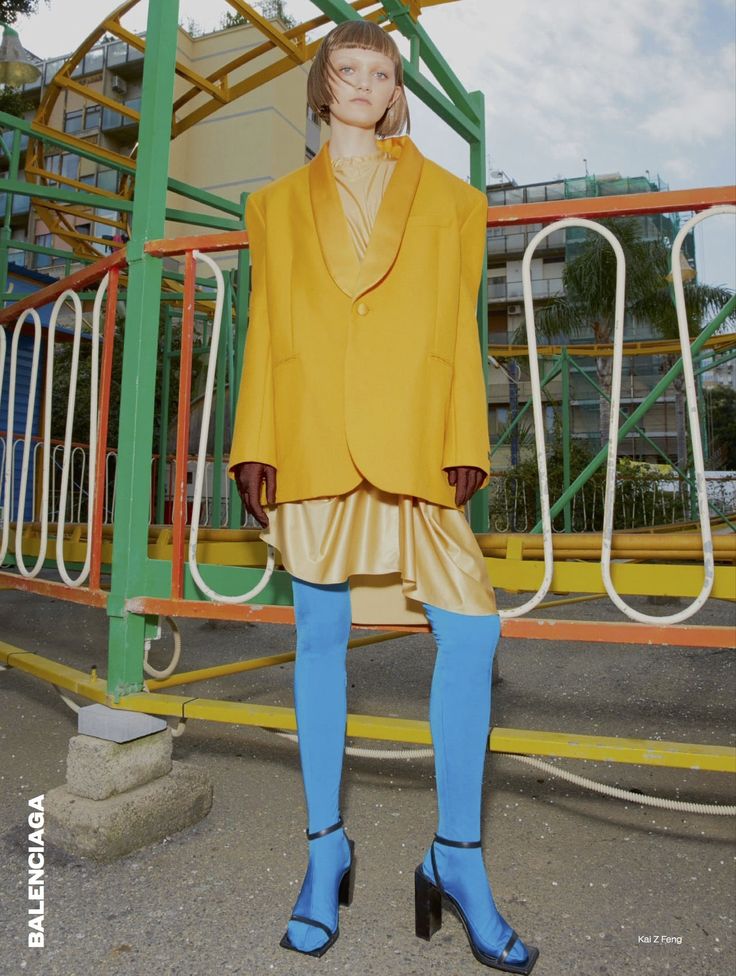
(362, 309)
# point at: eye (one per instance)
(346, 67)
(382, 73)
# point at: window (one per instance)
(53, 163)
(70, 166)
(51, 68)
(93, 61)
(117, 53)
(107, 179)
(44, 240)
(73, 121)
(92, 116)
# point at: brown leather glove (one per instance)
(466, 480)
(248, 478)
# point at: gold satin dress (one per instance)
(398, 551)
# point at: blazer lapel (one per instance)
(352, 276)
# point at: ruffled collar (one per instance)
(341, 161)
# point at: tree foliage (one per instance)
(10, 10)
(270, 9)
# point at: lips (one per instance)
(360, 100)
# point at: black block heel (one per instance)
(427, 906)
(347, 882)
(428, 915)
(344, 897)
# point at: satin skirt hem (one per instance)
(398, 552)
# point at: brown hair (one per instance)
(371, 37)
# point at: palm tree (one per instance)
(588, 299)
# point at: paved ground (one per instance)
(580, 875)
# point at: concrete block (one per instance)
(117, 724)
(107, 829)
(99, 768)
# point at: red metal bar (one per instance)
(74, 282)
(182, 430)
(663, 201)
(620, 632)
(59, 591)
(108, 339)
(228, 240)
(598, 631)
(625, 204)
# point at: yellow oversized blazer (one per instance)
(365, 369)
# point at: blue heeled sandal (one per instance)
(346, 886)
(428, 915)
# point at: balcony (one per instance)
(513, 291)
(503, 241)
(115, 123)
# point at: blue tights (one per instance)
(459, 711)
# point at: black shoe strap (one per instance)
(327, 830)
(457, 843)
(313, 921)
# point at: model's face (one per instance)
(364, 86)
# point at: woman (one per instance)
(361, 426)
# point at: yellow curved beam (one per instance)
(218, 86)
(644, 347)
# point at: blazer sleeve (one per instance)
(254, 436)
(466, 432)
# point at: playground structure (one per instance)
(183, 568)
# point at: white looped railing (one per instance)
(8, 499)
(610, 490)
(202, 454)
(68, 454)
(695, 439)
(92, 466)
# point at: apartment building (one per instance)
(509, 384)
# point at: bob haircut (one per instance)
(370, 37)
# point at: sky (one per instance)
(635, 87)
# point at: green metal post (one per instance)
(544, 382)
(701, 406)
(225, 324)
(164, 429)
(479, 503)
(6, 232)
(133, 476)
(242, 298)
(566, 435)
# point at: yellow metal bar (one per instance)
(115, 27)
(513, 573)
(107, 197)
(73, 142)
(648, 752)
(63, 81)
(237, 667)
(570, 599)
(644, 347)
(634, 579)
(88, 213)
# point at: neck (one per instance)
(350, 140)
